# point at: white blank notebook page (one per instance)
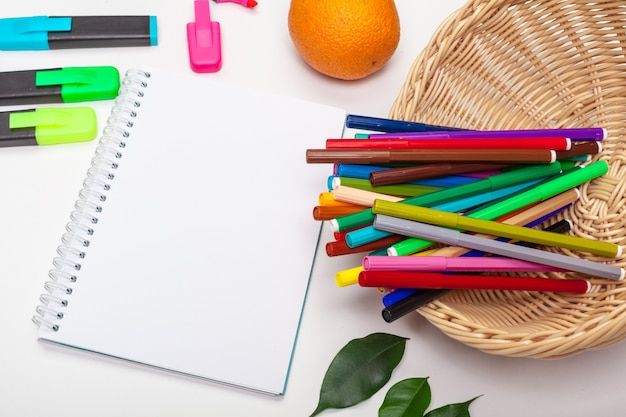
(200, 259)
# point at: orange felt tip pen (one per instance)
(331, 212)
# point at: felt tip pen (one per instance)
(452, 237)
(47, 126)
(452, 264)
(557, 144)
(418, 172)
(322, 213)
(379, 124)
(245, 3)
(411, 303)
(455, 221)
(396, 295)
(340, 247)
(59, 85)
(388, 156)
(444, 181)
(62, 32)
(404, 279)
(405, 189)
(360, 197)
(366, 171)
(575, 134)
(580, 149)
(327, 198)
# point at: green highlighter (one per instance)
(47, 126)
(495, 182)
(59, 85)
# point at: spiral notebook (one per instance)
(191, 244)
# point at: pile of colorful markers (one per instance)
(434, 209)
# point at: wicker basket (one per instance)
(512, 64)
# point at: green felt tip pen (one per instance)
(47, 126)
(570, 179)
(495, 182)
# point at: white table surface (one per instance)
(38, 186)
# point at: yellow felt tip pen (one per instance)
(455, 221)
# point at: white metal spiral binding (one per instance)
(83, 222)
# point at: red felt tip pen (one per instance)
(430, 280)
(246, 3)
(557, 144)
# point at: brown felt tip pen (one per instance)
(580, 149)
(387, 156)
(420, 172)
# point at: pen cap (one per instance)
(30, 33)
(204, 40)
(82, 83)
(58, 125)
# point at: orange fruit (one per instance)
(345, 39)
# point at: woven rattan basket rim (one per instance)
(533, 64)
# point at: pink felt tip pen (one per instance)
(452, 264)
(246, 3)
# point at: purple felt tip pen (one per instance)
(575, 134)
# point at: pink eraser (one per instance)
(204, 40)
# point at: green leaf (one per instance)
(359, 370)
(410, 397)
(452, 410)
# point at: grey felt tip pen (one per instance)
(454, 238)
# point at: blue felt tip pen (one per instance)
(50, 32)
(378, 124)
